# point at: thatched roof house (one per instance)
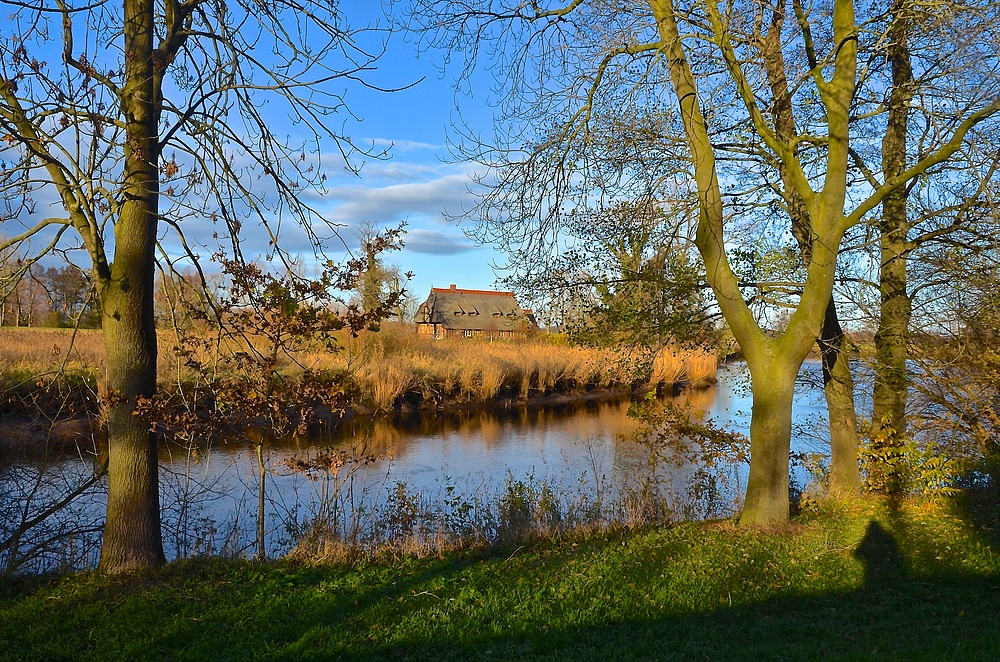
(453, 312)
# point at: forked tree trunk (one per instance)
(132, 537)
(838, 384)
(774, 362)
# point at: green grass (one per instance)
(862, 582)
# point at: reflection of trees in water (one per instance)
(699, 399)
(208, 489)
(587, 434)
(686, 455)
(51, 512)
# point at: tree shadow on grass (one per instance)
(980, 505)
(216, 610)
(893, 615)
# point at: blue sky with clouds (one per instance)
(419, 183)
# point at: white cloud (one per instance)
(434, 242)
(396, 172)
(403, 145)
(427, 199)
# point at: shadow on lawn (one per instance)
(930, 610)
(980, 507)
(896, 614)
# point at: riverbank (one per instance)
(49, 378)
(70, 432)
(859, 581)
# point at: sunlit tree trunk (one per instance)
(892, 335)
(838, 387)
(132, 537)
(770, 442)
(838, 383)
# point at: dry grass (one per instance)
(45, 351)
(668, 366)
(673, 365)
(383, 382)
(395, 361)
(475, 370)
(700, 366)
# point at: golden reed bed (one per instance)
(395, 361)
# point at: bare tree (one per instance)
(933, 53)
(702, 77)
(142, 123)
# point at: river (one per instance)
(579, 452)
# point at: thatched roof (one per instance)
(485, 310)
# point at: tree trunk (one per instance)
(845, 478)
(132, 525)
(838, 386)
(889, 399)
(132, 537)
(770, 442)
(891, 384)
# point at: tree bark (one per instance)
(838, 387)
(132, 536)
(891, 338)
(770, 443)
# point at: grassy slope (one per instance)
(860, 582)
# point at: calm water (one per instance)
(209, 496)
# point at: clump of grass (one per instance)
(668, 366)
(491, 375)
(696, 366)
(383, 382)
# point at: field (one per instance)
(870, 580)
(386, 366)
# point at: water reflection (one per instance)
(209, 493)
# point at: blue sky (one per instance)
(419, 183)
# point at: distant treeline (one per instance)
(34, 295)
